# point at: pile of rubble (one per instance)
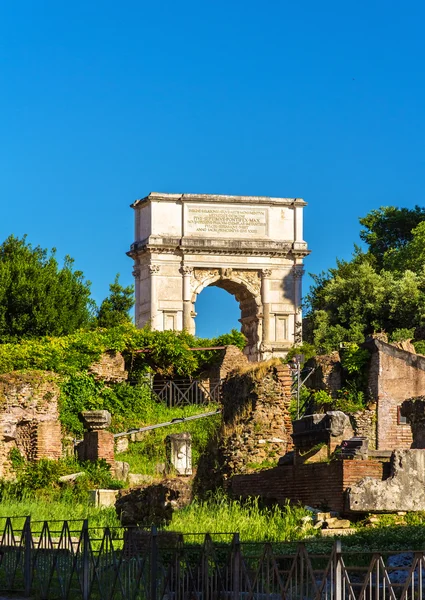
(330, 522)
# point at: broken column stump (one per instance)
(98, 443)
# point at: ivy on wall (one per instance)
(168, 351)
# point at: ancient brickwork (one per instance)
(327, 373)
(97, 445)
(27, 400)
(394, 376)
(321, 485)
(110, 367)
(364, 424)
(256, 424)
(231, 358)
(47, 441)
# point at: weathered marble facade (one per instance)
(251, 246)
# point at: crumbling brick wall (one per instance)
(327, 373)
(364, 424)
(256, 423)
(110, 367)
(394, 376)
(29, 416)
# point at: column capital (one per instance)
(153, 269)
(136, 272)
(185, 270)
(298, 271)
(266, 272)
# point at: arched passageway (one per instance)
(216, 312)
(249, 304)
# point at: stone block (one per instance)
(103, 498)
(404, 490)
(121, 470)
(121, 444)
(179, 453)
(94, 420)
(71, 478)
(137, 479)
(153, 504)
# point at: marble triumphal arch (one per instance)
(251, 246)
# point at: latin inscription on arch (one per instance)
(226, 221)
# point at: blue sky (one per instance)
(102, 102)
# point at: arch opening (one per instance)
(248, 308)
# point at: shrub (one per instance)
(401, 335)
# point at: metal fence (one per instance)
(183, 392)
(70, 562)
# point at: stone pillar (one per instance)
(265, 298)
(187, 298)
(154, 270)
(98, 443)
(298, 224)
(136, 275)
(298, 273)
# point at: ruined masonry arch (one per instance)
(250, 246)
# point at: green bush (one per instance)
(41, 480)
(169, 351)
(401, 335)
(354, 359)
(420, 346)
(306, 349)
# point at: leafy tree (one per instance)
(37, 297)
(114, 309)
(382, 289)
(389, 229)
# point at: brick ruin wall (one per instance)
(110, 367)
(256, 423)
(364, 424)
(320, 485)
(394, 376)
(29, 417)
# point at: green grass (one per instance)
(40, 510)
(143, 456)
(219, 514)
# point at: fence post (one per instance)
(236, 566)
(338, 570)
(27, 557)
(154, 561)
(86, 560)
